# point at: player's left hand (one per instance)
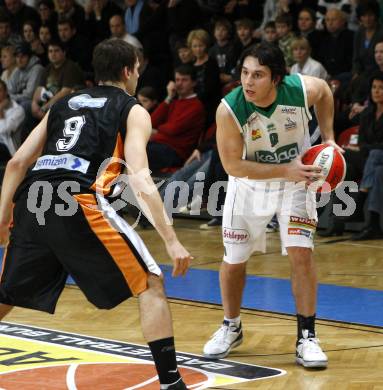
(4, 234)
(335, 145)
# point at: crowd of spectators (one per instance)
(188, 52)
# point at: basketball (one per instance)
(332, 163)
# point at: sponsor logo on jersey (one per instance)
(283, 154)
(61, 161)
(85, 100)
(37, 358)
(271, 127)
(290, 124)
(255, 134)
(289, 110)
(235, 236)
(300, 232)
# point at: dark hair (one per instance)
(223, 22)
(181, 44)
(148, 92)
(269, 55)
(284, 19)
(368, 7)
(65, 20)
(310, 11)
(110, 57)
(47, 3)
(58, 43)
(33, 24)
(269, 24)
(244, 22)
(377, 75)
(186, 70)
(4, 18)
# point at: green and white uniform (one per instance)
(274, 135)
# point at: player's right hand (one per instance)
(180, 256)
(4, 234)
(298, 172)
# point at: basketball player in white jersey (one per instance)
(262, 130)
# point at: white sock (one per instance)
(233, 321)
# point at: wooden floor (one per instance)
(355, 352)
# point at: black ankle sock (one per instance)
(375, 220)
(306, 323)
(164, 356)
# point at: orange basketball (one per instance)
(332, 163)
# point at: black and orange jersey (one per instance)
(84, 129)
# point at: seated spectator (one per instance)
(26, 77)
(369, 32)
(31, 36)
(304, 63)
(270, 33)
(48, 15)
(148, 98)
(283, 24)
(46, 35)
(69, 9)
(224, 50)
(184, 53)
(325, 5)
(117, 30)
(58, 80)
(208, 86)
(8, 62)
(11, 118)
(336, 46)
(306, 28)
(19, 13)
(244, 29)
(8, 37)
(77, 47)
(97, 17)
(177, 122)
(370, 140)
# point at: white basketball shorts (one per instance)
(249, 207)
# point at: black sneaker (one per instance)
(368, 233)
(180, 385)
(212, 224)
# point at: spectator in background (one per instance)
(283, 24)
(7, 37)
(336, 46)
(26, 77)
(97, 17)
(224, 50)
(11, 118)
(31, 36)
(369, 32)
(77, 46)
(184, 53)
(244, 29)
(8, 62)
(325, 5)
(208, 85)
(46, 35)
(177, 122)
(148, 98)
(48, 15)
(70, 10)
(117, 30)
(304, 64)
(19, 13)
(270, 33)
(58, 80)
(306, 28)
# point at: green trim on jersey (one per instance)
(289, 93)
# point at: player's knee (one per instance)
(300, 257)
(156, 284)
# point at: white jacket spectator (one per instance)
(11, 117)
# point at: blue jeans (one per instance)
(374, 160)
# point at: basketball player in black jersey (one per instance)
(58, 165)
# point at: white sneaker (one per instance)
(223, 340)
(309, 353)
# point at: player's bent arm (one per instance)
(230, 147)
(17, 166)
(320, 96)
(138, 133)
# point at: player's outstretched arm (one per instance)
(15, 171)
(139, 128)
(230, 146)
